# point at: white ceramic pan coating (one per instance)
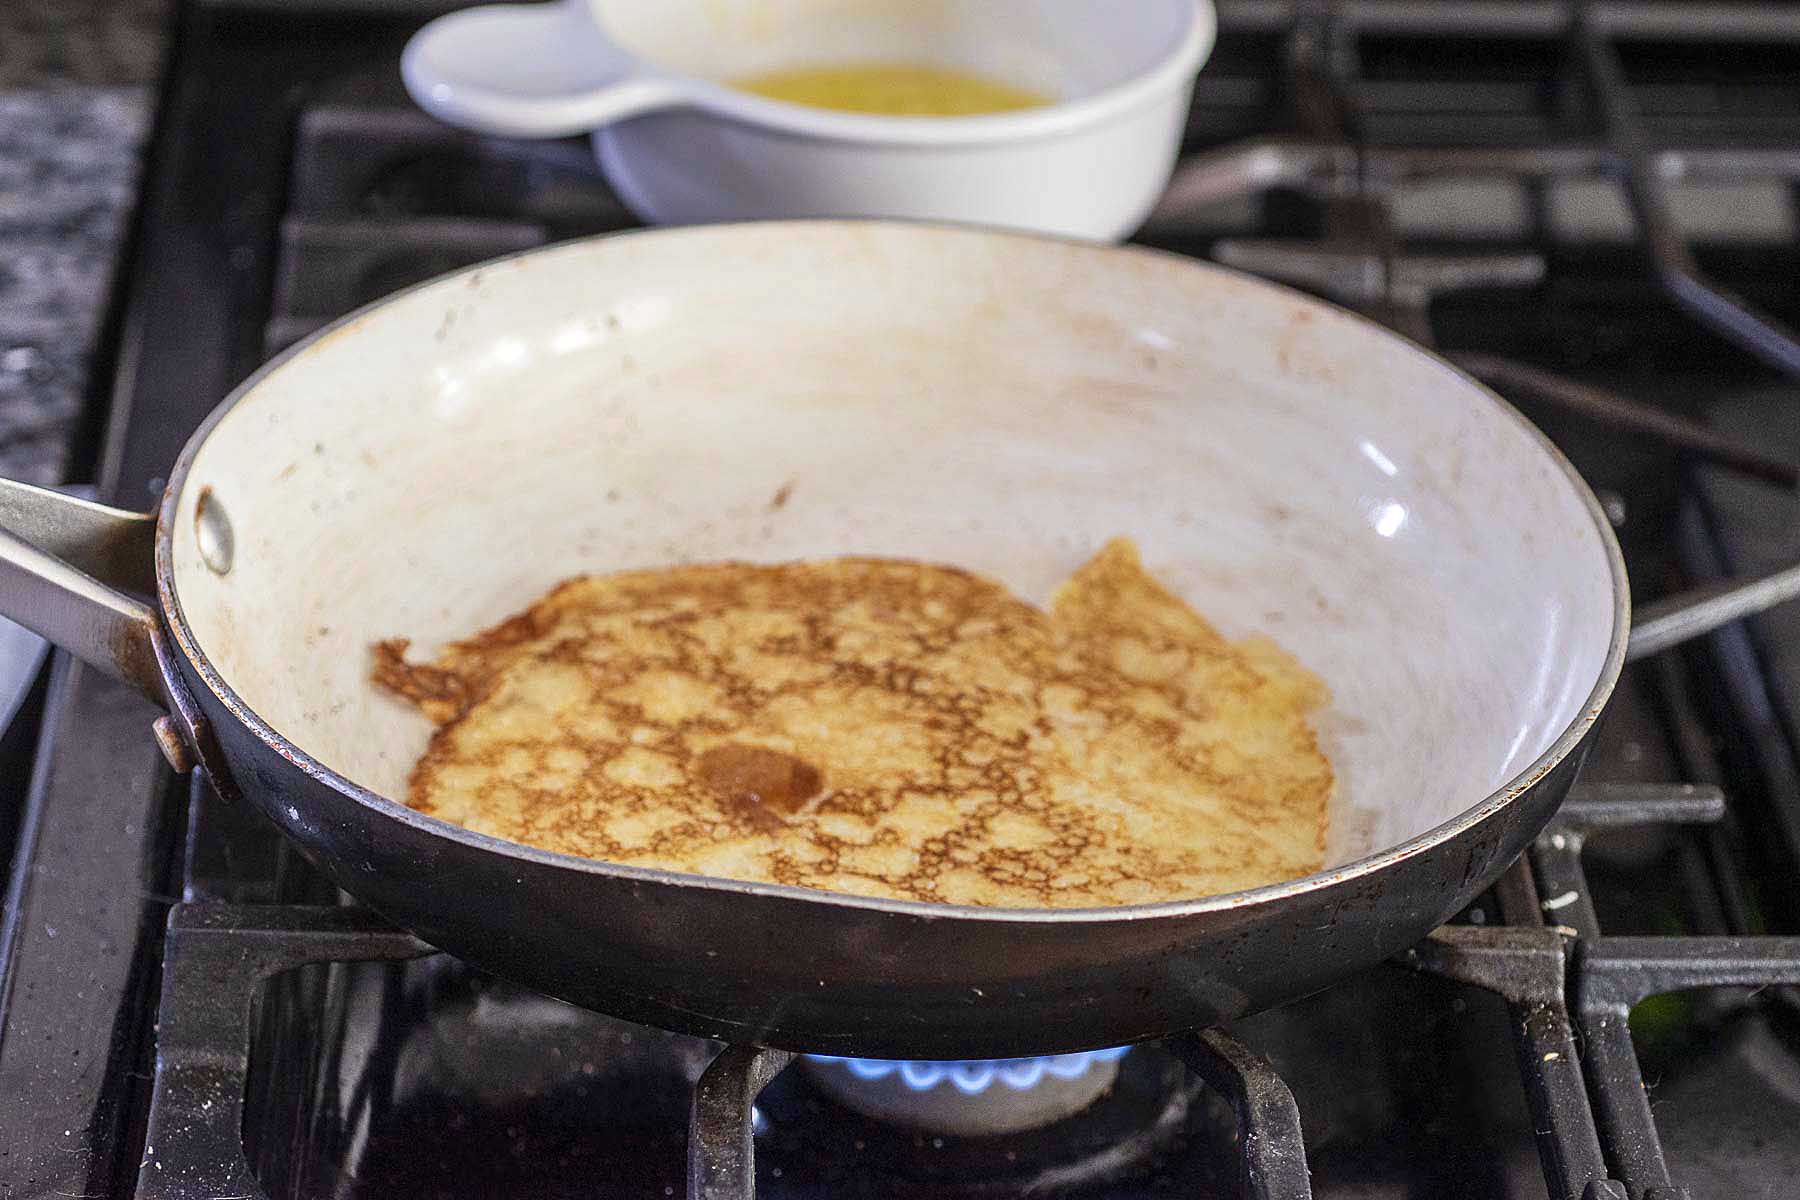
(1001, 404)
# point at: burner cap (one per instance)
(968, 1099)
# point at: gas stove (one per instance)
(1596, 208)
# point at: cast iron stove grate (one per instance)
(1561, 982)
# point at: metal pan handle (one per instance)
(67, 571)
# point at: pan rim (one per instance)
(1368, 865)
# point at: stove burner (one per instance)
(1149, 1110)
(970, 1098)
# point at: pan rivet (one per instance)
(173, 748)
(212, 530)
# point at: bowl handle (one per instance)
(534, 70)
(66, 568)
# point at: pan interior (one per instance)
(997, 402)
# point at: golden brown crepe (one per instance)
(882, 727)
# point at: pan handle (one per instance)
(67, 567)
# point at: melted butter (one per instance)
(892, 89)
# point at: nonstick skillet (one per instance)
(999, 402)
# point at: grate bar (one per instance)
(1617, 412)
(1747, 20)
(1712, 305)
(1617, 972)
(1614, 1080)
(1274, 1149)
(1622, 1106)
(215, 955)
(1687, 615)
(1562, 885)
(1325, 168)
(1614, 973)
(1516, 891)
(722, 1122)
(1525, 967)
(1607, 805)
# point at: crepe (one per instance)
(881, 727)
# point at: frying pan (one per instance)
(1000, 402)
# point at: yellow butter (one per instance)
(892, 89)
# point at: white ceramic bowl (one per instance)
(682, 147)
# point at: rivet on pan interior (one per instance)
(212, 530)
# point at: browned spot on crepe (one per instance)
(760, 785)
(881, 727)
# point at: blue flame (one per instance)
(971, 1078)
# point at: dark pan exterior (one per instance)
(815, 972)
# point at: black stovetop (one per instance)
(189, 1010)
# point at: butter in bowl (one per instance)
(1058, 116)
